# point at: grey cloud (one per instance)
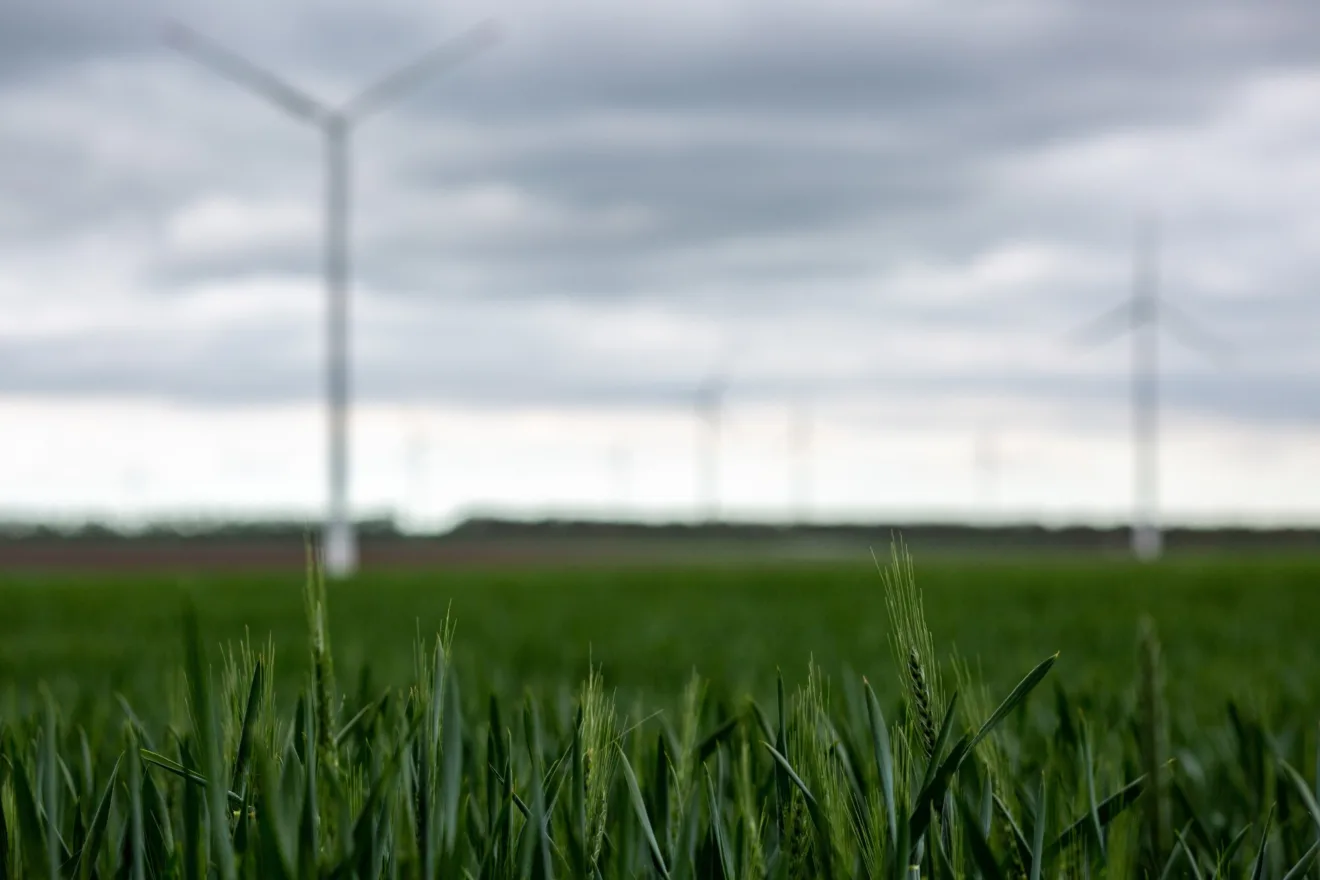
(774, 163)
(461, 358)
(38, 37)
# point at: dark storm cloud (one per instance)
(756, 164)
(41, 36)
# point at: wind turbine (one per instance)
(709, 401)
(799, 442)
(620, 467)
(335, 123)
(416, 443)
(1143, 316)
(986, 462)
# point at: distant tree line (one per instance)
(489, 529)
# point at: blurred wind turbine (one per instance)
(136, 483)
(414, 468)
(1143, 315)
(799, 442)
(986, 462)
(709, 401)
(336, 124)
(620, 467)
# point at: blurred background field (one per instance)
(1232, 627)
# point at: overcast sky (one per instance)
(895, 211)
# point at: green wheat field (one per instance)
(912, 718)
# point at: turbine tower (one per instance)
(986, 462)
(799, 441)
(336, 124)
(416, 446)
(709, 402)
(620, 467)
(1143, 316)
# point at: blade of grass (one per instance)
(4, 822)
(941, 740)
(362, 715)
(1174, 857)
(50, 787)
(940, 864)
(824, 842)
(1013, 700)
(190, 776)
(1015, 832)
(1190, 856)
(87, 854)
(715, 738)
(1099, 817)
(208, 740)
(1304, 790)
(194, 844)
(160, 830)
(451, 772)
(1298, 871)
(1199, 832)
(975, 838)
(1038, 833)
(884, 759)
(639, 807)
(577, 837)
(538, 824)
(309, 837)
(660, 805)
(1258, 867)
(1226, 857)
(31, 834)
(271, 822)
(244, 751)
(1093, 807)
(137, 833)
(987, 802)
(781, 744)
(506, 824)
(933, 793)
(762, 720)
(717, 827)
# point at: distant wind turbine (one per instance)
(799, 442)
(709, 401)
(415, 465)
(1143, 316)
(987, 463)
(336, 124)
(620, 467)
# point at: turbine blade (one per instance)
(442, 57)
(237, 69)
(1110, 325)
(1189, 332)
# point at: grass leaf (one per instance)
(1258, 867)
(1038, 833)
(1013, 700)
(884, 759)
(639, 807)
(244, 751)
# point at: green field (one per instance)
(1121, 758)
(1230, 629)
